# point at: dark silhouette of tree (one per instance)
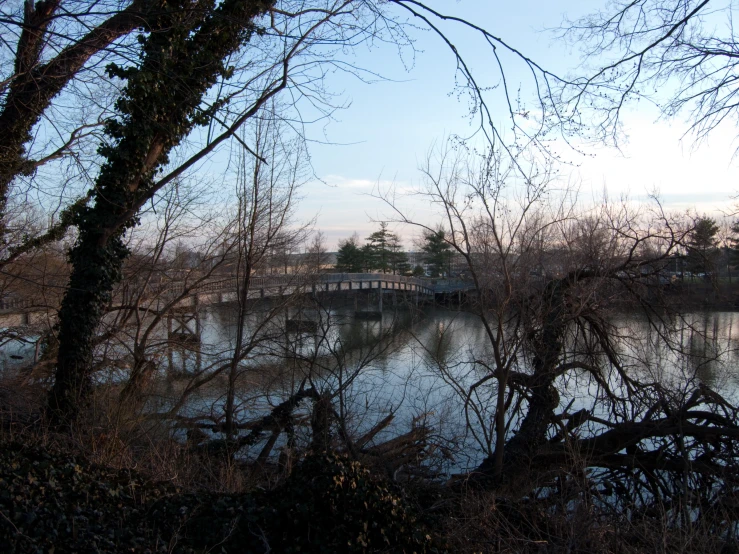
(401, 266)
(437, 253)
(152, 119)
(349, 258)
(547, 328)
(368, 257)
(383, 246)
(733, 244)
(703, 246)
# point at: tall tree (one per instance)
(349, 258)
(384, 246)
(154, 116)
(317, 254)
(368, 257)
(437, 252)
(703, 246)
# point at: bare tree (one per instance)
(675, 54)
(99, 252)
(547, 277)
(267, 196)
(317, 254)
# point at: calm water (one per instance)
(418, 365)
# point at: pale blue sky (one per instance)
(390, 126)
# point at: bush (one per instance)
(332, 504)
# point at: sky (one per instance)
(388, 128)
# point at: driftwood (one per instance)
(280, 418)
(404, 451)
(400, 452)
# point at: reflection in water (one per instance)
(418, 363)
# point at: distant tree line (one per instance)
(382, 252)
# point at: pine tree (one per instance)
(349, 258)
(383, 248)
(437, 253)
(703, 246)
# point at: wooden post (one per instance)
(37, 351)
(170, 356)
(198, 354)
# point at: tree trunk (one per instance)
(510, 464)
(96, 269)
(188, 46)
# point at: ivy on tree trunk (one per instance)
(181, 59)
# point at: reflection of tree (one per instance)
(703, 350)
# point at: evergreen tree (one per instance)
(400, 263)
(350, 258)
(437, 253)
(383, 248)
(398, 259)
(369, 258)
(703, 246)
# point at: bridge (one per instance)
(181, 299)
(17, 311)
(224, 290)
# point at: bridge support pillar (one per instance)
(181, 335)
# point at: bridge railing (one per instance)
(305, 281)
(9, 304)
(273, 281)
(340, 277)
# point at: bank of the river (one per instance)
(54, 501)
(698, 294)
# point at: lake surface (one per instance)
(415, 363)
(418, 364)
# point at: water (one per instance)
(419, 365)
